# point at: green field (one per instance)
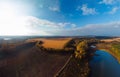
(112, 48)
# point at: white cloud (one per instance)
(112, 29)
(106, 2)
(46, 27)
(87, 11)
(54, 8)
(114, 10)
(43, 22)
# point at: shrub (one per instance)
(81, 49)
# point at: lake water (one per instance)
(104, 64)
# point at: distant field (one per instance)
(56, 43)
(111, 40)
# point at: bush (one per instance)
(81, 49)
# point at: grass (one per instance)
(117, 46)
(54, 43)
(112, 48)
(116, 50)
(111, 40)
(31, 62)
(76, 68)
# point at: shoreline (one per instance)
(109, 51)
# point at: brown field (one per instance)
(111, 40)
(27, 60)
(55, 43)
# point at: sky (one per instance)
(60, 17)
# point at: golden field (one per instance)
(111, 40)
(55, 43)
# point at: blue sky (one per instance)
(70, 17)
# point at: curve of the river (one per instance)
(104, 64)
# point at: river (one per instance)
(104, 64)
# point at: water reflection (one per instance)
(104, 65)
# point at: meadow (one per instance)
(27, 60)
(39, 57)
(112, 46)
(54, 43)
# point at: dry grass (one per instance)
(111, 40)
(56, 43)
(30, 61)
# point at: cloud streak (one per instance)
(114, 10)
(107, 2)
(107, 29)
(45, 27)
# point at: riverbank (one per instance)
(113, 54)
(79, 63)
(108, 48)
(104, 65)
